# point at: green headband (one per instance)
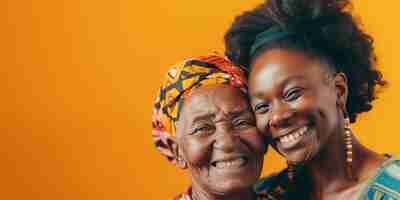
(272, 34)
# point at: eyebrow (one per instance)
(229, 115)
(283, 83)
(203, 117)
(240, 112)
(293, 78)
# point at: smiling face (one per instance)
(296, 102)
(218, 140)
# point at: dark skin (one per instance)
(300, 103)
(218, 142)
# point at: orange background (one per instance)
(77, 83)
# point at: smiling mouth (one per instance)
(230, 163)
(291, 139)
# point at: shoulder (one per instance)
(185, 195)
(182, 197)
(386, 185)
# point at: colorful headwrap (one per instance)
(181, 79)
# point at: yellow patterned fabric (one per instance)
(180, 80)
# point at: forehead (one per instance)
(278, 65)
(212, 99)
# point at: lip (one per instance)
(287, 132)
(292, 140)
(229, 158)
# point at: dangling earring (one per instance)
(181, 162)
(291, 170)
(348, 141)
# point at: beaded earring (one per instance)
(348, 142)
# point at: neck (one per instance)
(199, 193)
(328, 168)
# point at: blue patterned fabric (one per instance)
(386, 184)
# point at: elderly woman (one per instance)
(203, 122)
(312, 71)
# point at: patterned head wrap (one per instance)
(181, 79)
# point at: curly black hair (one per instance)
(322, 28)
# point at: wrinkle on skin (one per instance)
(230, 133)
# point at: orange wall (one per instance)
(77, 82)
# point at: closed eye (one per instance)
(243, 123)
(203, 129)
(261, 108)
(293, 94)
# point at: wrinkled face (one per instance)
(295, 102)
(218, 139)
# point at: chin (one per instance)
(234, 186)
(302, 155)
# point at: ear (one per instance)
(341, 89)
(177, 151)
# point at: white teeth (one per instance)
(293, 136)
(230, 163)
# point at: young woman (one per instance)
(312, 71)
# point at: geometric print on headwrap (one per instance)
(180, 80)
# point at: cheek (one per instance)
(196, 151)
(322, 105)
(255, 142)
(304, 103)
(331, 118)
(306, 106)
(262, 124)
(321, 112)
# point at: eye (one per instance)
(202, 129)
(261, 108)
(243, 123)
(293, 94)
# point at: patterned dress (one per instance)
(385, 185)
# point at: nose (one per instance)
(281, 115)
(225, 140)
